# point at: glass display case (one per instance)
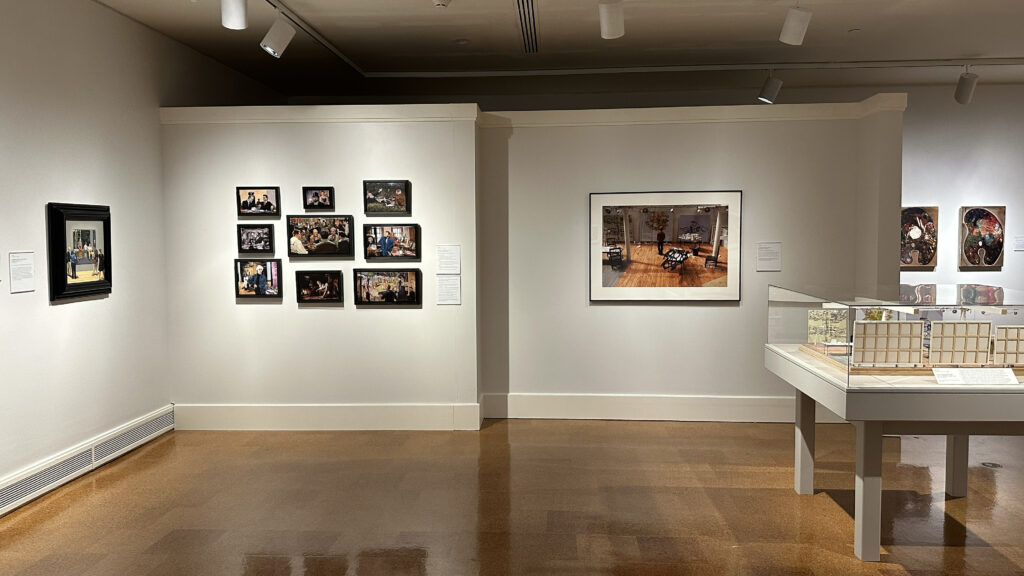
(862, 342)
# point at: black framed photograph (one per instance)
(78, 250)
(319, 286)
(323, 236)
(388, 287)
(387, 197)
(255, 238)
(318, 197)
(258, 200)
(392, 241)
(665, 246)
(257, 278)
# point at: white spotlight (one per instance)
(613, 23)
(277, 39)
(795, 27)
(232, 14)
(965, 87)
(770, 89)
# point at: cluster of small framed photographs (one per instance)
(330, 236)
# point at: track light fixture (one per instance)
(965, 86)
(233, 15)
(795, 27)
(770, 89)
(613, 22)
(278, 37)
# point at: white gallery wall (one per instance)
(276, 364)
(812, 176)
(82, 86)
(957, 156)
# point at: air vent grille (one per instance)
(528, 25)
(121, 441)
(45, 478)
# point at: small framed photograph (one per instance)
(78, 250)
(388, 287)
(257, 278)
(323, 236)
(258, 201)
(387, 198)
(318, 197)
(319, 286)
(392, 241)
(255, 238)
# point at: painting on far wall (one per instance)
(387, 197)
(982, 237)
(326, 236)
(392, 241)
(388, 287)
(78, 250)
(919, 237)
(665, 246)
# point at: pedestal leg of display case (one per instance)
(804, 460)
(956, 464)
(868, 498)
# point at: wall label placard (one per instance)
(769, 256)
(449, 259)
(449, 290)
(1018, 243)
(23, 272)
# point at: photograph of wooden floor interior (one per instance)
(533, 497)
(645, 268)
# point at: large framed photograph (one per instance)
(258, 201)
(392, 241)
(982, 237)
(388, 287)
(919, 237)
(78, 250)
(323, 236)
(255, 238)
(387, 197)
(319, 286)
(665, 246)
(318, 197)
(257, 278)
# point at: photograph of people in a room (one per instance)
(257, 278)
(387, 287)
(320, 236)
(319, 286)
(255, 238)
(321, 198)
(84, 260)
(665, 246)
(387, 198)
(258, 201)
(391, 241)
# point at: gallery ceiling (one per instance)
(367, 40)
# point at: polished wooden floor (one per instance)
(519, 497)
(645, 269)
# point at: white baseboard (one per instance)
(641, 407)
(33, 481)
(327, 416)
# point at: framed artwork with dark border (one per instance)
(318, 197)
(395, 287)
(665, 246)
(258, 278)
(387, 197)
(258, 200)
(392, 241)
(319, 286)
(919, 237)
(982, 237)
(78, 250)
(327, 236)
(255, 238)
